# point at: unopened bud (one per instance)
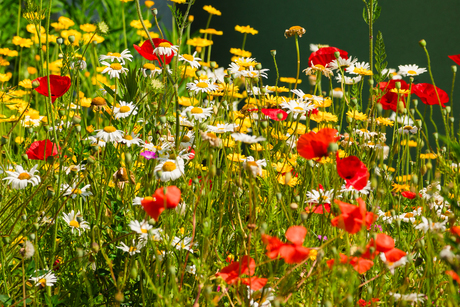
(258, 66)
(451, 119)
(163, 119)
(448, 109)
(288, 177)
(422, 43)
(379, 108)
(154, 11)
(294, 206)
(279, 196)
(76, 119)
(213, 64)
(337, 54)
(264, 123)
(332, 148)
(59, 40)
(398, 85)
(280, 116)
(454, 68)
(273, 52)
(71, 38)
(95, 247)
(35, 84)
(435, 135)
(203, 127)
(371, 82)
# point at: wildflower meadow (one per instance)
(137, 171)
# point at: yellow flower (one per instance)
(94, 38)
(22, 42)
(8, 52)
(199, 42)
(211, 31)
(294, 30)
(282, 167)
(428, 156)
(19, 140)
(258, 147)
(246, 29)
(236, 157)
(143, 34)
(229, 142)
(138, 25)
(384, 121)
(4, 62)
(400, 187)
(357, 115)
(90, 129)
(63, 23)
(124, 1)
(88, 27)
(411, 143)
(31, 29)
(12, 118)
(149, 3)
(320, 102)
(5, 77)
(400, 91)
(312, 254)
(186, 101)
(240, 53)
(211, 10)
(290, 80)
(362, 71)
(32, 70)
(278, 89)
(178, 1)
(404, 178)
(26, 83)
(292, 182)
(323, 116)
(34, 16)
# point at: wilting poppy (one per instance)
(427, 93)
(326, 55)
(146, 51)
(353, 218)
(160, 201)
(273, 114)
(232, 272)
(353, 170)
(59, 85)
(455, 58)
(315, 145)
(389, 100)
(41, 150)
(292, 252)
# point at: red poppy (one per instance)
(353, 218)
(455, 58)
(231, 273)
(59, 85)
(41, 150)
(273, 113)
(255, 283)
(292, 252)
(326, 55)
(427, 93)
(353, 170)
(453, 275)
(394, 255)
(389, 100)
(359, 264)
(455, 230)
(363, 303)
(318, 208)
(147, 51)
(155, 205)
(315, 145)
(409, 195)
(383, 243)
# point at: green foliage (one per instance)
(380, 56)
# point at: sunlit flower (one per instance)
(73, 191)
(212, 10)
(131, 139)
(165, 49)
(21, 178)
(141, 228)
(120, 57)
(410, 70)
(109, 134)
(170, 169)
(197, 113)
(124, 109)
(201, 86)
(114, 70)
(246, 30)
(184, 243)
(249, 139)
(75, 221)
(134, 249)
(190, 59)
(45, 280)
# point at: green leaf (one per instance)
(380, 56)
(5, 299)
(365, 17)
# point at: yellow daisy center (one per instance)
(114, 54)
(35, 116)
(74, 223)
(150, 66)
(409, 215)
(116, 66)
(169, 166)
(388, 214)
(42, 282)
(128, 137)
(319, 66)
(110, 129)
(165, 44)
(24, 176)
(196, 110)
(188, 57)
(202, 85)
(143, 230)
(132, 249)
(411, 72)
(252, 163)
(125, 109)
(298, 108)
(186, 139)
(76, 191)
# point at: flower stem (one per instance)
(298, 60)
(124, 23)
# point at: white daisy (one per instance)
(348, 80)
(96, 141)
(20, 178)
(403, 120)
(109, 134)
(425, 225)
(254, 166)
(184, 243)
(222, 128)
(165, 49)
(137, 201)
(248, 139)
(255, 73)
(410, 70)
(297, 107)
(60, 126)
(391, 73)
(342, 63)
(114, 70)
(134, 249)
(385, 216)
(364, 191)
(190, 59)
(319, 197)
(74, 168)
(408, 129)
(120, 57)
(32, 120)
(124, 109)
(78, 64)
(198, 113)
(170, 169)
(353, 69)
(261, 298)
(75, 221)
(152, 69)
(131, 139)
(73, 191)
(413, 297)
(202, 86)
(256, 91)
(187, 140)
(45, 280)
(337, 93)
(141, 228)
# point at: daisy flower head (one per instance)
(309, 71)
(197, 113)
(20, 178)
(134, 249)
(120, 57)
(341, 63)
(348, 80)
(141, 228)
(320, 196)
(149, 67)
(203, 86)
(124, 109)
(75, 221)
(190, 59)
(73, 191)
(410, 70)
(298, 107)
(170, 169)
(184, 243)
(45, 280)
(131, 139)
(222, 128)
(114, 70)
(254, 166)
(248, 139)
(165, 49)
(359, 68)
(109, 134)
(391, 74)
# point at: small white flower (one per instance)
(197, 113)
(254, 166)
(165, 49)
(190, 59)
(45, 280)
(410, 70)
(357, 66)
(141, 228)
(73, 191)
(78, 64)
(190, 269)
(408, 129)
(134, 249)
(137, 201)
(120, 57)
(248, 139)
(425, 225)
(320, 197)
(21, 178)
(222, 128)
(297, 107)
(184, 243)
(114, 70)
(149, 67)
(261, 298)
(75, 221)
(170, 169)
(348, 80)
(342, 63)
(203, 86)
(74, 168)
(131, 139)
(413, 297)
(109, 134)
(124, 109)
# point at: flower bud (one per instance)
(213, 64)
(154, 11)
(452, 119)
(279, 196)
(280, 116)
(163, 119)
(332, 148)
(35, 84)
(258, 66)
(337, 54)
(95, 247)
(59, 40)
(294, 206)
(72, 38)
(273, 52)
(264, 123)
(422, 43)
(304, 216)
(203, 127)
(213, 170)
(448, 109)
(31, 236)
(371, 82)
(398, 85)
(379, 108)
(435, 134)
(454, 68)
(76, 119)
(297, 198)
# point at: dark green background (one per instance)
(338, 23)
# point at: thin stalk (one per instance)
(298, 60)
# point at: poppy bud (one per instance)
(273, 52)
(31, 236)
(119, 297)
(91, 160)
(213, 170)
(294, 206)
(95, 247)
(412, 111)
(36, 226)
(196, 181)
(452, 119)
(163, 119)
(337, 54)
(154, 11)
(128, 159)
(448, 109)
(374, 183)
(354, 102)
(203, 127)
(371, 82)
(158, 174)
(71, 38)
(59, 40)
(411, 79)
(401, 107)
(279, 196)
(50, 191)
(258, 66)
(263, 90)
(227, 80)
(422, 43)
(332, 148)
(213, 64)
(76, 119)
(415, 102)
(24, 217)
(224, 103)
(454, 68)
(379, 108)
(297, 198)
(152, 222)
(287, 177)
(25, 157)
(435, 135)
(264, 123)
(414, 179)
(133, 273)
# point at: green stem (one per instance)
(298, 60)
(124, 23)
(244, 41)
